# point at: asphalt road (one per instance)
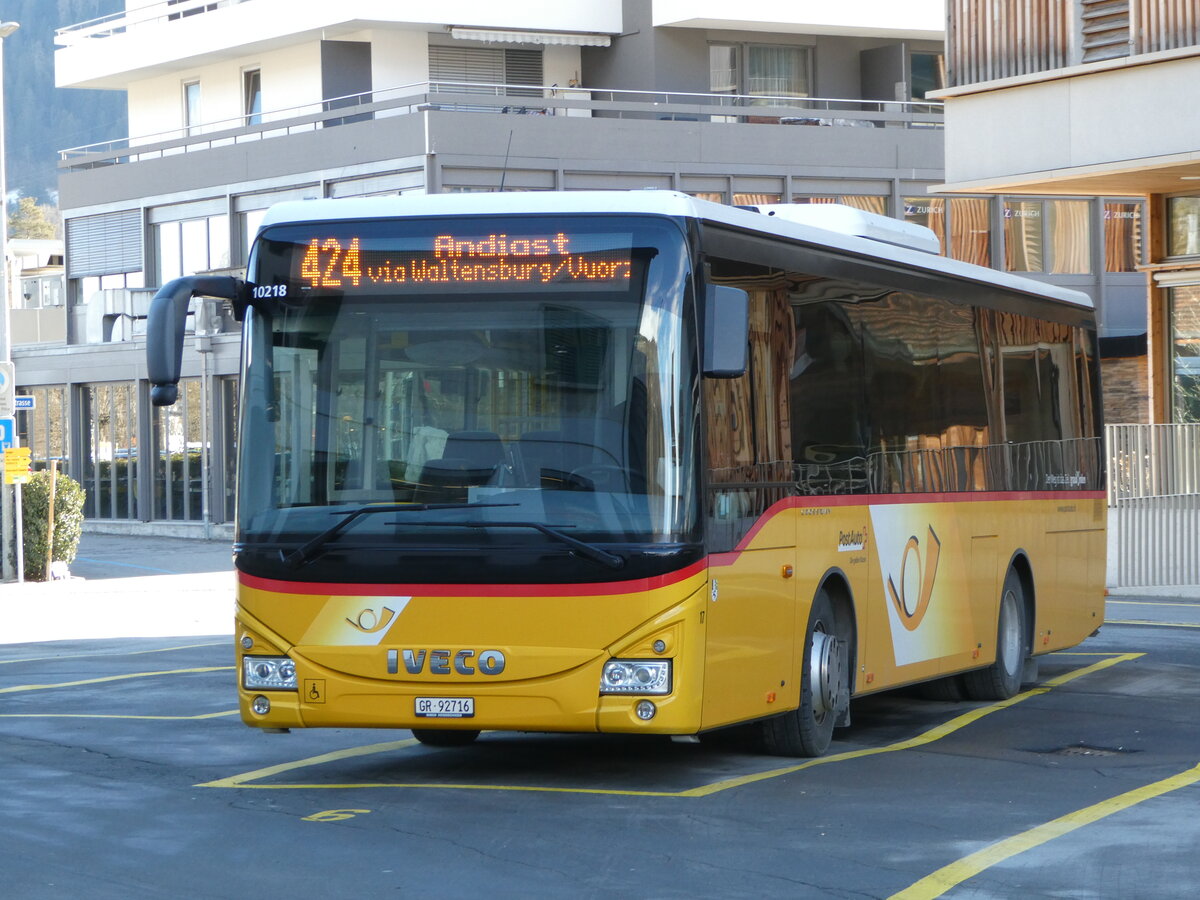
(126, 774)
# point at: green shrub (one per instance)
(68, 521)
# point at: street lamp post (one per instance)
(7, 506)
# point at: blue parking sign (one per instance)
(8, 432)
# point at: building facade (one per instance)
(1081, 97)
(234, 106)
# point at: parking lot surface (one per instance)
(127, 773)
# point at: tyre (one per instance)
(437, 738)
(824, 689)
(948, 689)
(1002, 679)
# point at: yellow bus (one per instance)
(636, 462)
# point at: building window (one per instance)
(191, 246)
(1049, 236)
(191, 106)
(759, 70)
(110, 450)
(960, 223)
(250, 222)
(252, 96)
(1185, 353)
(1183, 226)
(970, 227)
(865, 202)
(776, 71)
(1122, 236)
(44, 428)
(927, 72)
(723, 68)
(177, 455)
(929, 212)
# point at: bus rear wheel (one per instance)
(824, 687)
(1002, 679)
(436, 738)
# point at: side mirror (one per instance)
(165, 325)
(726, 331)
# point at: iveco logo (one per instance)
(443, 662)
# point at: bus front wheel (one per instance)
(1002, 679)
(436, 738)
(824, 689)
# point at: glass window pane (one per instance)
(1185, 353)
(195, 246)
(723, 69)
(742, 199)
(1122, 236)
(250, 222)
(1183, 218)
(1069, 234)
(252, 96)
(970, 230)
(928, 73)
(777, 71)
(218, 242)
(929, 212)
(1023, 238)
(169, 259)
(191, 104)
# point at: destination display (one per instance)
(354, 262)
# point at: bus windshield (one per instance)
(434, 383)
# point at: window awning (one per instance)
(560, 38)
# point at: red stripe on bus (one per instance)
(636, 585)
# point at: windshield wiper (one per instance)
(591, 551)
(308, 551)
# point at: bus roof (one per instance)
(839, 228)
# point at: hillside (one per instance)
(40, 120)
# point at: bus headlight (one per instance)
(268, 673)
(636, 676)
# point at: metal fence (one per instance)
(1154, 504)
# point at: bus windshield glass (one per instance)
(511, 380)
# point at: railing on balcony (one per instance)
(992, 39)
(132, 19)
(512, 99)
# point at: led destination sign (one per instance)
(350, 261)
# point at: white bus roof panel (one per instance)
(831, 232)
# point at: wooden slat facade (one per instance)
(991, 39)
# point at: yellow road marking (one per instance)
(5, 662)
(63, 684)
(216, 715)
(1148, 622)
(956, 873)
(239, 780)
(934, 734)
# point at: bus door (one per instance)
(752, 668)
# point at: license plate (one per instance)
(444, 707)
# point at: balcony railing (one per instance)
(132, 19)
(988, 40)
(512, 99)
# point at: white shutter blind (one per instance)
(479, 65)
(486, 66)
(105, 244)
